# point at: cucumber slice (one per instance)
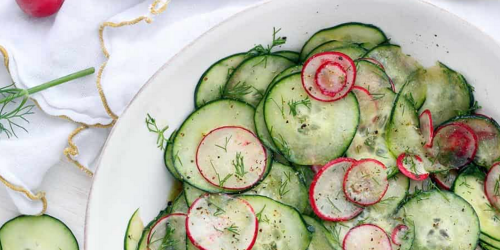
(308, 134)
(415, 90)
(367, 35)
(352, 50)
(250, 80)
(488, 135)
(320, 236)
(37, 232)
(192, 193)
(396, 193)
(447, 94)
(371, 77)
(490, 241)
(211, 84)
(487, 246)
(261, 128)
(397, 64)
(470, 186)
(452, 224)
(168, 232)
(280, 226)
(198, 124)
(284, 185)
(179, 205)
(143, 243)
(369, 141)
(292, 55)
(134, 231)
(169, 158)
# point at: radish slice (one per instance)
(492, 185)
(373, 61)
(331, 78)
(412, 166)
(231, 158)
(167, 230)
(446, 179)
(365, 182)
(316, 64)
(366, 236)
(316, 168)
(219, 221)
(454, 145)
(326, 196)
(426, 127)
(399, 234)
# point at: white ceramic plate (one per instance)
(131, 172)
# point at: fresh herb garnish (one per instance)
(280, 107)
(294, 104)
(225, 144)
(475, 106)
(259, 216)
(282, 191)
(223, 180)
(218, 209)
(333, 205)
(496, 189)
(161, 140)
(239, 165)
(282, 145)
(261, 50)
(238, 90)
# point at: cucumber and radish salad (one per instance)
(349, 143)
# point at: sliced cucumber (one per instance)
(191, 193)
(169, 158)
(37, 232)
(287, 72)
(490, 241)
(284, 185)
(134, 231)
(396, 193)
(250, 80)
(211, 84)
(309, 133)
(442, 220)
(488, 135)
(179, 205)
(371, 77)
(261, 128)
(292, 55)
(280, 226)
(196, 126)
(143, 243)
(320, 237)
(397, 64)
(168, 232)
(367, 35)
(352, 50)
(415, 90)
(447, 95)
(470, 186)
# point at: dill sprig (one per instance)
(238, 90)
(282, 191)
(294, 105)
(282, 145)
(239, 165)
(225, 144)
(333, 205)
(475, 106)
(218, 209)
(233, 229)
(161, 140)
(10, 118)
(223, 180)
(280, 107)
(259, 216)
(496, 189)
(261, 50)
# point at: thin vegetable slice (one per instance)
(220, 221)
(231, 157)
(169, 232)
(365, 182)
(412, 166)
(366, 236)
(399, 233)
(426, 127)
(326, 196)
(492, 185)
(315, 63)
(446, 179)
(371, 76)
(372, 61)
(134, 231)
(331, 78)
(454, 145)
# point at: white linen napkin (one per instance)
(76, 116)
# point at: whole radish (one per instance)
(40, 8)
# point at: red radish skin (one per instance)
(314, 183)
(196, 244)
(311, 66)
(397, 230)
(213, 180)
(407, 172)
(374, 243)
(457, 142)
(492, 185)
(316, 168)
(426, 127)
(40, 8)
(160, 220)
(330, 85)
(350, 174)
(445, 182)
(373, 61)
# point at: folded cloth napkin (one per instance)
(125, 40)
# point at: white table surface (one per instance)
(67, 188)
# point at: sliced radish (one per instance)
(399, 234)
(219, 221)
(426, 127)
(366, 236)
(167, 229)
(454, 145)
(368, 106)
(365, 182)
(492, 185)
(231, 158)
(316, 168)
(325, 68)
(373, 61)
(412, 166)
(446, 179)
(326, 196)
